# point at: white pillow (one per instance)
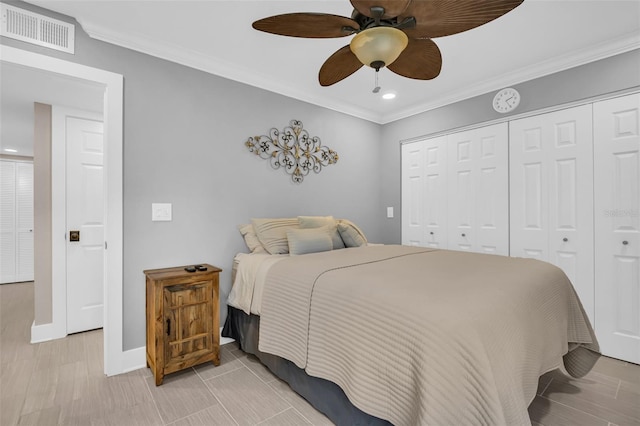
(272, 233)
(307, 222)
(250, 238)
(303, 241)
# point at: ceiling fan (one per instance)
(392, 33)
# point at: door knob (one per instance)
(625, 242)
(464, 235)
(74, 235)
(431, 233)
(565, 239)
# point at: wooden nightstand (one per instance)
(183, 319)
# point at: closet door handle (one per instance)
(168, 327)
(625, 242)
(565, 239)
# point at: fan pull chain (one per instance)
(377, 88)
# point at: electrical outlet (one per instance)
(161, 212)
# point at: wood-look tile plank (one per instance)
(254, 364)
(11, 408)
(212, 416)
(144, 414)
(594, 394)
(288, 417)
(248, 399)
(551, 413)
(181, 394)
(619, 369)
(228, 362)
(299, 403)
(46, 417)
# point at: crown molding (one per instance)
(251, 77)
(216, 66)
(597, 52)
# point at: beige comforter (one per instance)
(420, 336)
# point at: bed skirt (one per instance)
(325, 396)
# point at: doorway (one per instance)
(112, 89)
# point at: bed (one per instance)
(379, 334)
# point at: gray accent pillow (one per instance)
(351, 234)
(272, 233)
(303, 241)
(307, 222)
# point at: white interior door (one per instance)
(478, 188)
(551, 194)
(413, 194)
(617, 220)
(85, 214)
(435, 190)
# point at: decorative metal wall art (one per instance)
(292, 149)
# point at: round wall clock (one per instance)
(506, 100)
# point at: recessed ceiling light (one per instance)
(389, 95)
(10, 150)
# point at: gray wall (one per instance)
(184, 134)
(606, 76)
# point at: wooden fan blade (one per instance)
(339, 66)
(308, 25)
(421, 60)
(439, 18)
(392, 8)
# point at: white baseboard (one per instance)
(135, 359)
(45, 332)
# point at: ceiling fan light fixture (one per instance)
(379, 44)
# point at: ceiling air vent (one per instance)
(37, 29)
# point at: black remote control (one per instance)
(190, 269)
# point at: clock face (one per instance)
(506, 100)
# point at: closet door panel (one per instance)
(492, 190)
(617, 224)
(463, 171)
(551, 194)
(435, 204)
(413, 193)
(528, 183)
(571, 199)
(24, 222)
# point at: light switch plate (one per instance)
(389, 212)
(161, 212)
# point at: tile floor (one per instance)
(61, 383)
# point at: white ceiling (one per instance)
(537, 38)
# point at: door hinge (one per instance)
(105, 245)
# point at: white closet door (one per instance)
(551, 194)
(435, 189)
(413, 193)
(24, 222)
(617, 208)
(478, 190)
(424, 193)
(7, 221)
